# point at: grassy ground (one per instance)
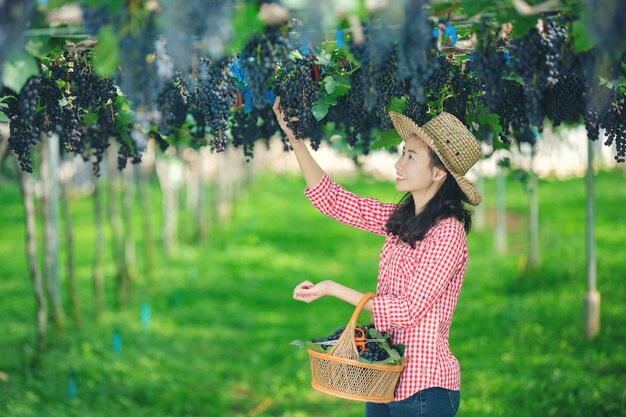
(222, 315)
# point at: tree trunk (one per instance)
(533, 252)
(224, 186)
(31, 253)
(69, 247)
(170, 205)
(592, 298)
(98, 273)
(480, 213)
(116, 226)
(129, 241)
(146, 211)
(501, 243)
(50, 178)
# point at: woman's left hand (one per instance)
(307, 292)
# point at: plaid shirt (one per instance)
(417, 289)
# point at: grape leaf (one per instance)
(320, 109)
(106, 52)
(308, 345)
(387, 140)
(18, 68)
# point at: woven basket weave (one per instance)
(338, 372)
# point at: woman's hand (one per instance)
(307, 291)
(280, 116)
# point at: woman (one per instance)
(423, 259)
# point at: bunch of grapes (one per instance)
(259, 58)
(355, 108)
(512, 110)
(139, 77)
(244, 131)
(173, 104)
(416, 110)
(299, 91)
(24, 122)
(489, 64)
(213, 97)
(614, 124)
(387, 87)
(373, 352)
(564, 100)
(536, 62)
(435, 84)
(463, 84)
(90, 91)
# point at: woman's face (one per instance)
(415, 171)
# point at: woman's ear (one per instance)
(440, 174)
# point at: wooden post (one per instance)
(592, 298)
(50, 177)
(500, 211)
(533, 252)
(98, 272)
(31, 252)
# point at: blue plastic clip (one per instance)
(145, 315)
(451, 32)
(507, 57)
(247, 100)
(71, 386)
(117, 341)
(436, 32)
(340, 38)
(270, 96)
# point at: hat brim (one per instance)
(407, 128)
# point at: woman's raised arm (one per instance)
(311, 171)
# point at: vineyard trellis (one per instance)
(119, 76)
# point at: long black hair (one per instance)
(447, 202)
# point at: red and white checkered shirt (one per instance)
(417, 289)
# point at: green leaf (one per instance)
(308, 345)
(474, 7)
(582, 38)
(4, 118)
(18, 68)
(106, 52)
(522, 24)
(491, 119)
(39, 46)
(90, 118)
(324, 59)
(245, 23)
(397, 104)
(329, 84)
(337, 85)
(320, 109)
(387, 140)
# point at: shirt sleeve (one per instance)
(363, 213)
(446, 248)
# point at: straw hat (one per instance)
(457, 148)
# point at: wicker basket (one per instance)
(338, 372)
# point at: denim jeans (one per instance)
(430, 402)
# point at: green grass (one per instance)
(223, 317)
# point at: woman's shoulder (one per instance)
(448, 226)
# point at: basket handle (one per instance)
(366, 297)
(346, 346)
